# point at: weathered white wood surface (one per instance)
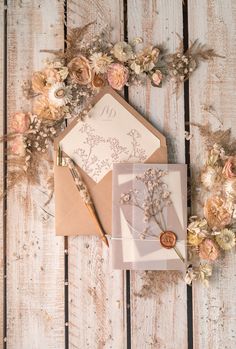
(35, 268)
(214, 86)
(161, 320)
(35, 285)
(1, 167)
(96, 293)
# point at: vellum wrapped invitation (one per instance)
(149, 200)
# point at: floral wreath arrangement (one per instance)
(73, 76)
(211, 236)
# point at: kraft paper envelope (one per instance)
(114, 132)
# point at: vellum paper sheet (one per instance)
(135, 242)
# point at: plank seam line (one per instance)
(127, 273)
(187, 160)
(5, 177)
(66, 261)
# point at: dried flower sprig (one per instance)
(156, 199)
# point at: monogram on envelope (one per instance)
(113, 132)
(149, 199)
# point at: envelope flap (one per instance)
(137, 115)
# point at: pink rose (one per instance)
(208, 250)
(20, 122)
(17, 146)
(117, 75)
(157, 77)
(229, 170)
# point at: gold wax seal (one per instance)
(168, 239)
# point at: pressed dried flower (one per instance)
(80, 70)
(226, 239)
(122, 51)
(100, 62)
(208, 250)
(217, 213)
(59, 94)
(125, 198)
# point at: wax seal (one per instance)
(168, 239)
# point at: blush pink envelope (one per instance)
(71, 215)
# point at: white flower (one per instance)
(59, 95)
(100, 62)
(226, 239)
(190, 276)
(122, 51)
(230, 187)
(209, 176)
(205, 271)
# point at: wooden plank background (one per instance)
(101, 305)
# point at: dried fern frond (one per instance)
(222, 137)
(73, 42)
(201, 52)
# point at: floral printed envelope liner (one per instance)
(149, 223)
(111, 134)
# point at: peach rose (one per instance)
(17, 146)
(229, 170)
(20, 122)
(216, 212)
(208, 250)
(157, 77)
(79, 70)
(117, 75)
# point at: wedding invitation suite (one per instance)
(113, 132)
(149, 224)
